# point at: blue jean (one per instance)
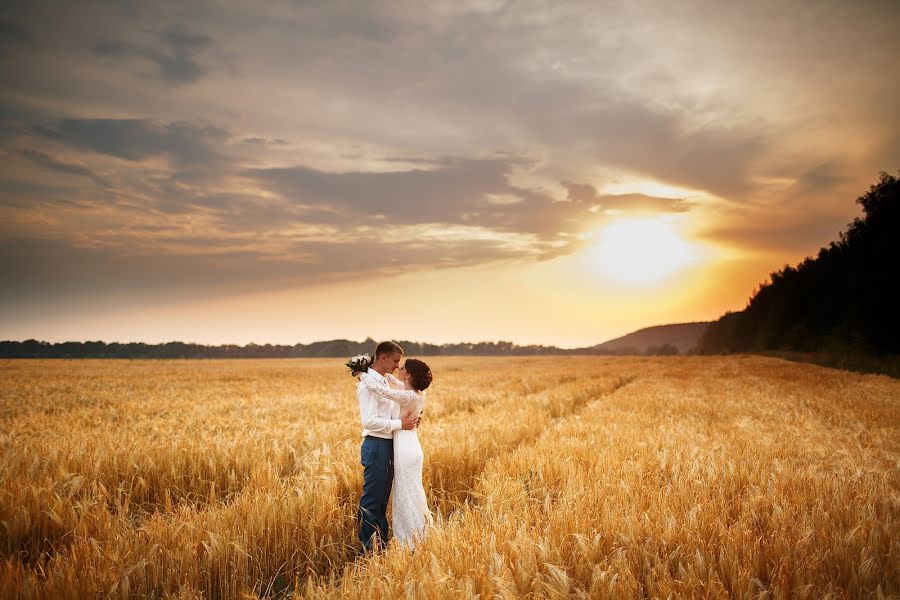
(377, 457)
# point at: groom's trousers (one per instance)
(377, 456)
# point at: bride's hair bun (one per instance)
(419, 372)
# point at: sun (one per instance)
(641, 251)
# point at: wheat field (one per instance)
(599, 477)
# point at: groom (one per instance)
(380, 419)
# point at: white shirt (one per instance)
(380, 417)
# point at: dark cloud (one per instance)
(474, 192)
(343, 20)
(138, 139)
(48, 162)
(176, 54)
(16, 119)
(824, 185)
(34, 196)
(639, 138)
(12, 34)
(826, 175)
(435, 195)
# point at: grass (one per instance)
(732, 476)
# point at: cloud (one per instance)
(43, 269)
(60, 166)
(178, 61)
(163, 229)
(28, 199)
(822, 177)
(778, 232)
(587, 194)
(327, 137)
(454, 191)
(138, 139)
(12, 34)
(657, 143)
(218, 224)
(468, 81)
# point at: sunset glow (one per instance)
(556, 173)
(641, 251)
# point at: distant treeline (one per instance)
(844, 302)
(331, 349)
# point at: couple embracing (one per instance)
(390, 408)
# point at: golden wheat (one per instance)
(550, 477)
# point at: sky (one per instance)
(555, 173)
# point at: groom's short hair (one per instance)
(387, 348)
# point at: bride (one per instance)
(410, 508)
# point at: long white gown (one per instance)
(409, 511)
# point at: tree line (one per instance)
(330, 349)
(846, 300)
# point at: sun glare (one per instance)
(641, 251)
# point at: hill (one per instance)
(660, 339)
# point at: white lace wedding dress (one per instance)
(409, 512)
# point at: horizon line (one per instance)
(349, 340)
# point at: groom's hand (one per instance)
(409, 422)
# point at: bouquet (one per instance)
(359, 364)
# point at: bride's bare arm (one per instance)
(401, 397)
